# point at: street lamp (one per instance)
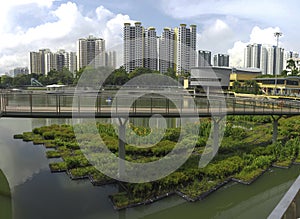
(277, 35)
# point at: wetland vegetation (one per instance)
(246, 152)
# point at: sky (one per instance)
(223, 26)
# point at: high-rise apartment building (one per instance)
(204, 58)
(61, 58)
(34, 63)
(167, 50)
(44, 61)
(90, 51)
(50, 62)
(175, 48)
(270, 59)
(72, 62)
(150, 49)
(19, 71)
(140, 47)
(264, 63)
(253, 55)
(221, 60)
(37, 63)
(133, 46)
(43, 54)
(279, 56)
(185, 48)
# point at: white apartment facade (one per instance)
(44, 60)
(90, 51)
(175, 48)
(185, 39)
(270, 59)
(167, 50)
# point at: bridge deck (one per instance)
(67, 106)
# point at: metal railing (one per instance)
(68, 105)
(289, 205)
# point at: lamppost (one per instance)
(277, 35)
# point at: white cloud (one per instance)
(113, 30)
(237, 54)
(11, 60)
(264, 36)
(103, 13)
(66, 26)
(7, 6)
(66, 15)
(261, 36)
(217, 35)
(240, 16)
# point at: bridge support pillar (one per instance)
(275, 128)
(122, 138)
(216, 133)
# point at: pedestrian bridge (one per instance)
(104, 105)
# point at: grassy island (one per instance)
(246, 152)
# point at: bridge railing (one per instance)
(1, 104)
(289, 206)
(62, 104)
(261, 106)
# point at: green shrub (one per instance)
(59, 166)
(18, 136)
(172, 134)
(48, 135)
(53, 154)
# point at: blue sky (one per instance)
(223, 26)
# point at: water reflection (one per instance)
(19, 160)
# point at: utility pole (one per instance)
(277, 35)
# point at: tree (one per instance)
(43, 79)
(21, 80)
(78, 74)
(139, 71)
(236, 86)
(66, 77)
(292, 66)
(171, 73)
(6, 81)
(284, 73)
(120, 76)
(251, 86)
(117, 77)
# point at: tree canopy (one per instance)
(249, 86)
(292, 66)
(116, 77)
